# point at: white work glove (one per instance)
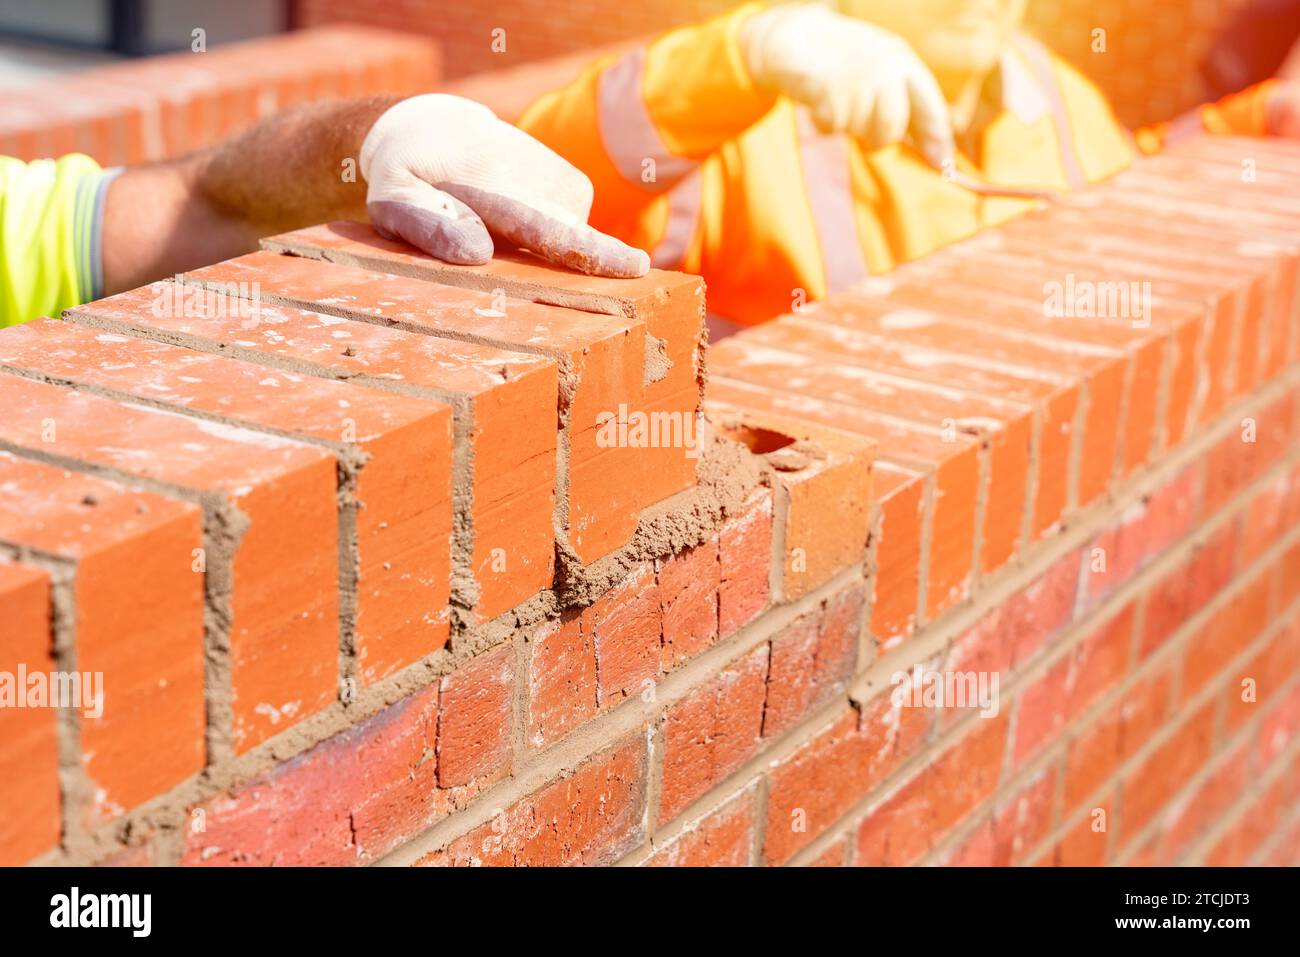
(856, 78)
(442, 172)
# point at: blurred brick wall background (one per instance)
(535, 29)
(157, 107)
(1151, 67)
(1154, 48)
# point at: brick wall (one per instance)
(165, 106)
(1150, 60)
(367, 582)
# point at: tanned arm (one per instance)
(285, 173)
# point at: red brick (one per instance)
(1251, 829)
(1189, 819)
(1159, 347)
(1017, 825)
(688, 600)
(712, 731)
(1042, 710)
(1087, 843)
(1011, 634)
(350, 798)
(1217, 222)
(812, 660)
(899, 732)
(601, 358)
(834, 856)
(1225, 635)
(1073, 683)
(912, 821)
(1207, 253)
(474, 720)
(1101, 660)
(957, 290)
(897, 832)
(1005, 427)
(812, 788)
(969, 771)
(592, 815)
(898, 531)
(926, 354)
(670, 306)
(562, 682)
(1268, 672)
(401, 502)
(1268, 516)
(1145, 707)
(819, 783)
(1274, 156)
(977, 849)
(951, 459)
(283, 590)
(1259, 439)
(136, 617)
(1114, 247)
(745, 559)
(1160, 776)
(1188, 588)
(611, 650)
(1265, 321)
(1092, 756)
(625, 629)
(1285, 848)
(722, 839)
(823, 481)
(936, 323)
(505, 407)
(1141, 533)
(29, 761)
(1288, 573)
(1278, 730)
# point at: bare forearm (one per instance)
(294, 169)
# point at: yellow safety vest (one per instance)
(712, 175)
(49, 235)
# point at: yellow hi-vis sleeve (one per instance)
(639, 123)
(49, 235)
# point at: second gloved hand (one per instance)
(856, 78)
(443, 173)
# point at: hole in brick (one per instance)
(758, 441)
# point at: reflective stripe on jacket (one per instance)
(49, 235)
(691, 161)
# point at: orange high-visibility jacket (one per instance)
(691, 161)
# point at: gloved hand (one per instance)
(442, 172)
(858, 79)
